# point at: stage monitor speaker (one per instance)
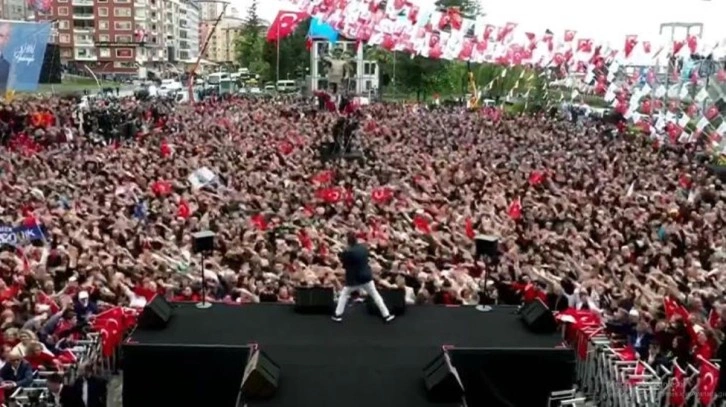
(202, 242)
(442, 381)
(314, 300)
(156, 314)
(261, 377)
(395, 300)
(538, 317)
(487, 245)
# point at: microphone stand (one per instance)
(204, 304)
(485, 296)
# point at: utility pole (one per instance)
(691, 28)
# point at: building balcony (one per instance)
(83, 16)
(83, 43)
(85, 57)
(82, 3)
(84, 30)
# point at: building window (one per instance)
(64, 38)
(104, 52)
(122, 25)
(104, 38)
(64, 25)
(103, 11)
(122, 38)
(124, 53)
(103, 25)
(66, 53)
(122, 12)
(62, 11)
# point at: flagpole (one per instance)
(204, 46)
(277, 59)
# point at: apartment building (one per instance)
(221, 48)
(182, 30)
(15, 10)
(121, 36)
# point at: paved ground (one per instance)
(114, 391)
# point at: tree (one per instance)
(294, 56)
(250, 42)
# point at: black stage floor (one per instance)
(359, 362)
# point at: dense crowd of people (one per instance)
(586, 218)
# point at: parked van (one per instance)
(286, 86)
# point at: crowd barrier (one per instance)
(610, 375)
(85, 352)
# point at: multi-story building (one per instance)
(15, 10)
(122, 36)
(221, 48)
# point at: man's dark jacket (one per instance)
(4, 75)
(355, 263)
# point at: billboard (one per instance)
(22, 47)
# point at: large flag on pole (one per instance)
(284, 24)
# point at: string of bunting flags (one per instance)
(677, 107)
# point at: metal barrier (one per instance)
(612, 376)
(85, 351)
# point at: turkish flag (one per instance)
(422, 224)
(707, 382)
(284, 24)
(381, 195)
(678, 387)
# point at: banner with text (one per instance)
(22, 48)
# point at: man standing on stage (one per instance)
(358, 276)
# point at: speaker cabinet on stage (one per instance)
(314, 300)
(261, 377)
(202, 242)
(487, 245)
(156, 314)
(442, 380)
(395, 300)
(538, 317)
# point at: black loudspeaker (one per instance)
(314, 300)
(442, 381)
(395, 300)
(156, 314)
(538, 317)
(202, 241)
(50, 71)
(261, 377)
(487, 245)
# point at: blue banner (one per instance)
(20, 234)
(322, 31)
(22, 48)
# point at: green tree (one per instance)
(250, 42)
(294, 56)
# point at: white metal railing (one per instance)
(613, 376)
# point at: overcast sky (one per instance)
(608, 21)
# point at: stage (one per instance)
(361, 361)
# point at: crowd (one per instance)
(587, 218)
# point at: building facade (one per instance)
(221, 47)
(120, 37)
